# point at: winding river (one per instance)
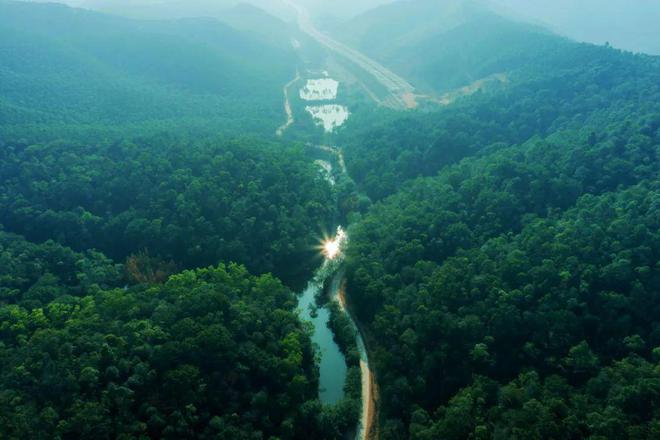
(332, 366)
(332, 363)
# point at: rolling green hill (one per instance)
(512, 292)
(441, 45)
(249, 18)
(575, 86)
(82, 357)
(387, 28)
(67, 66)
(507, 273)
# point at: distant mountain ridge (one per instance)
(441, 45)
(71, 64)
(626, 24)
(256, 17)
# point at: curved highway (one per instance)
(399, 89)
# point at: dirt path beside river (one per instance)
(368, 425)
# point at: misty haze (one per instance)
(333, 220)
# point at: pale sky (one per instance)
(626, 24)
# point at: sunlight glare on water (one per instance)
(332, 247)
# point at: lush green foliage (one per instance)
(565, 299)
(480, 198)
(212, 353)
(513, 295)
(89, 348)
(579, 86)
(32, 275)
(195, 203)
(507, 276)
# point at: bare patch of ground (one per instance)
(410, 100)
(496, 80)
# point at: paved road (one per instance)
(397, 87)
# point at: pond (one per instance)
(330, 116)
(324, 89)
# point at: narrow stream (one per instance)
(332, 363)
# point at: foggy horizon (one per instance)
(625, 24)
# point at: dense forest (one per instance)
(577, 87)
(190, 202)
(502, 266)
(545, 332)
(511, 294)
(119, 172)
(212, 353)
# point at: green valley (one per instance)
(371, 220)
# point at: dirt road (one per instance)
(287, 106)
(368, 424)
